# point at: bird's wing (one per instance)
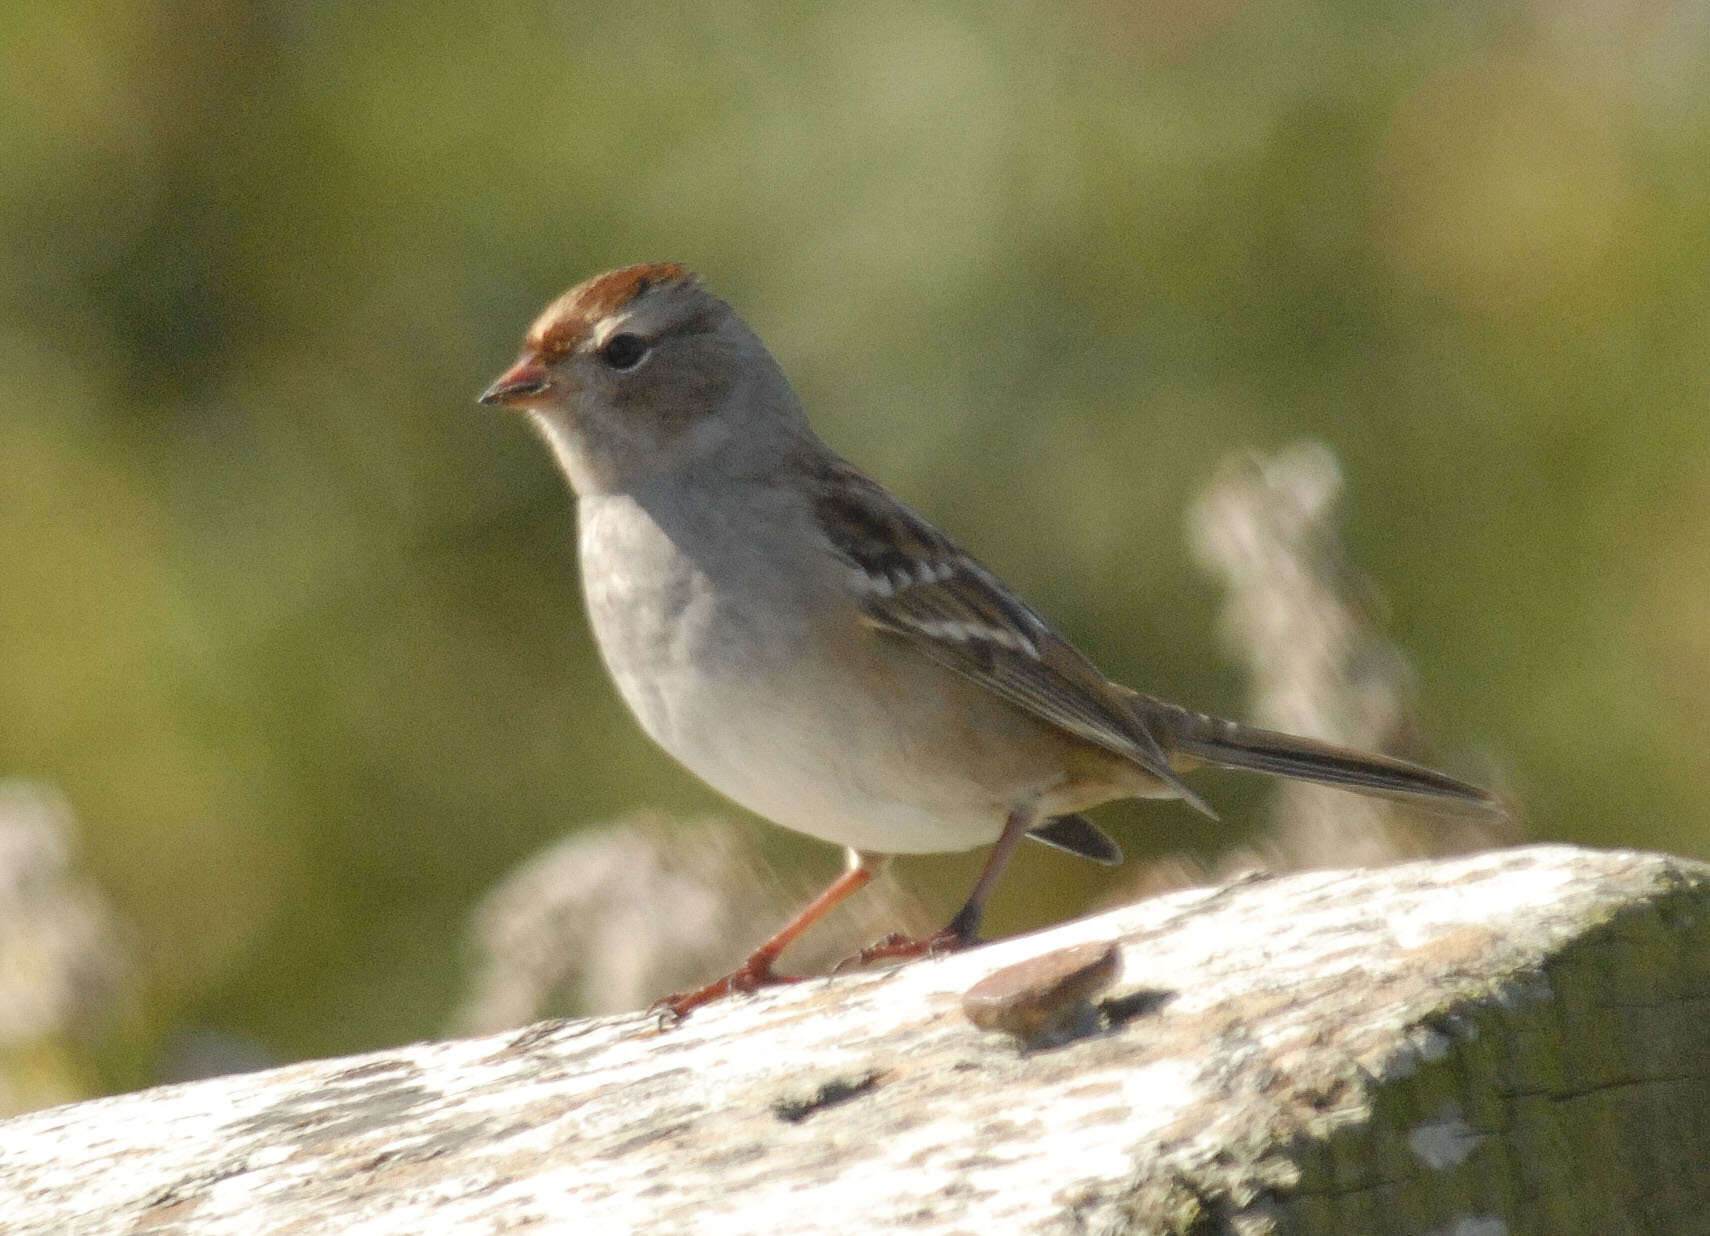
(916, 584)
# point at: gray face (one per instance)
(642, 373)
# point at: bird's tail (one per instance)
(1233, 745)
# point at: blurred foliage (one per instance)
(294, 626)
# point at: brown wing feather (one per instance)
(919, 585)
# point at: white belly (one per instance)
(729, 681)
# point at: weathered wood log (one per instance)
(1517, 1041)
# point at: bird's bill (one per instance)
(523, 385)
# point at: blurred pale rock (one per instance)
(64, 969)
(613, 918)
(1302, 621)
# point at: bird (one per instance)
(816, 650)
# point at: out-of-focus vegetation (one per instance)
(294, 627)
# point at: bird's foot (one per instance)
(751, 976)
(900, 948)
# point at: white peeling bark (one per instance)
(1512, 1042)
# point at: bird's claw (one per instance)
(750, 977)
(896, 947)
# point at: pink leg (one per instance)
(964, 929)
(756, 972)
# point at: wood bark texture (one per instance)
(1513, 1042)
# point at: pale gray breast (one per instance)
(691, 616)
(733, 659)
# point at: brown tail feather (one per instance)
(1233, 745)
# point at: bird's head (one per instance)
(641, 371)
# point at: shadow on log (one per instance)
(1517, 1041)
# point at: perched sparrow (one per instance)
(814, 649)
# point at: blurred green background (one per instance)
(294, 625)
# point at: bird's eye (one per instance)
(625, 351)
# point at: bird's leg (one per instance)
(756, 972)
(964, 929)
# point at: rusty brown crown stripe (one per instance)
(567, 321)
